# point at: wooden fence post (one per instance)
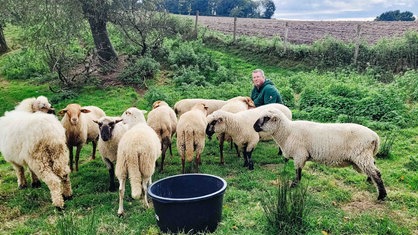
(286, 31)
(357, 45)
(235, 28)
(195, 24)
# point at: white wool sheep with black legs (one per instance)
(138, 151)
(163, 120)
(333, 144)
(37, 140)
(240, 127)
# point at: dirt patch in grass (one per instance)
(363, 202)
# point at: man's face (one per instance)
(258, 79)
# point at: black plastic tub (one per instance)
(188, 203)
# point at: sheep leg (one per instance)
(71, 157)
(20, 174)
(298, 177)
(67, 192)
(35, 180)
(182, 165)
(221, 147)
(250, 161)
(145, 183)
(77, 156)
(374, 173)
(237, 149)
(111, 168)
(198, 162)
(171, 150)
(165, 143)
(55, 187)
(121, 195)
(93, 155)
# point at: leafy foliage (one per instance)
(396, 15)
(140, 70)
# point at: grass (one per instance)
(340, 199)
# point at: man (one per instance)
(264, 91)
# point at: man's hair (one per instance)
(259, 71)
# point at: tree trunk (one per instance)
(97, 18)
(3, 45)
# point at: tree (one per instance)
(396, 16)
(270, 8)
(3, 44)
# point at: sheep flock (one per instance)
(32, 136)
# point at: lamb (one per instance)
(163, 120)
(335, 145)
(80, 128)
(138, 151)
(185, 105)
(33, 104)
(111, 131)
(240, 127)
(37, 140)
(191, 134)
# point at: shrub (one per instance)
(138, 72)
(24, 64)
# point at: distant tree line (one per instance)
(396, 16)
(238, 8)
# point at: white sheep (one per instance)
(37, 140)
(111, 131)
(234, 105)
(138, 151)
(191, 134)
(333, 144)
(240, 127)
(33, 104)
(80, 128)
(185, 105)
(133, 116)
(163, 120)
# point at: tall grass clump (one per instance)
(386, 146)
(287, 209)
(69, 224)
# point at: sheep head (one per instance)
(202, 107)
(106, 126)
(159, 103)
(216, 123)
(269, 121)
(73, 111)
(42, 104)
(133, 116)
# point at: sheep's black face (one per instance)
(105, 132)
(210, 129)
(259, 123)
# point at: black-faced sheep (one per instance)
(336, 144)
(240, 127)
(185, 105)
(111, 131)
(80, 128)
(138, 151)
(191, 134)
(33, 104)
(38, 141)
(234, 105)
(163, 120)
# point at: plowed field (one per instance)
(306, 32)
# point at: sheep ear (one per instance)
(62, 111)
(274, 119)
(220, 120)
(96, 121)
(84, 110)
(118, 120)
